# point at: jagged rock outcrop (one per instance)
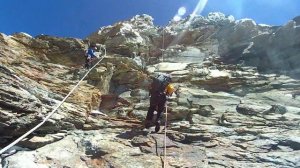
(236, 41)
(127, 37)
(64, 50)
(278, 50)
(226, 111)
(58, 50)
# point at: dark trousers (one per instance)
(88, 62)
(157, 102)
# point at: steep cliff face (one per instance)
(227, 111)
(32, 84)
(36, 74)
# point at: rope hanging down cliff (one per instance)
(54, 110)
(165, 138)
(166, 107)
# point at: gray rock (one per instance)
(251, 109)
(240, 115)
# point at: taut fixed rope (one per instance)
(165, 139)
(53, 111)
(166, 107)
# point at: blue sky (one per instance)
(79, 18)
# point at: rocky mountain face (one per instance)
(237, 102)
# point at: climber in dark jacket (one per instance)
(90, 56)
(159, 90)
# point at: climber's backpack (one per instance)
(159, 83)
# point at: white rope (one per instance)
(163, 45)
(50, 114)
(165, 136)
(165, 139)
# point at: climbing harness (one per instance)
(53, 111)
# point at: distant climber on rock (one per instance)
(160, 88)
(90, 56)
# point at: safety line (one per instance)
(165, 139)
(166, 107)
(50, 114)
(163, 45)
